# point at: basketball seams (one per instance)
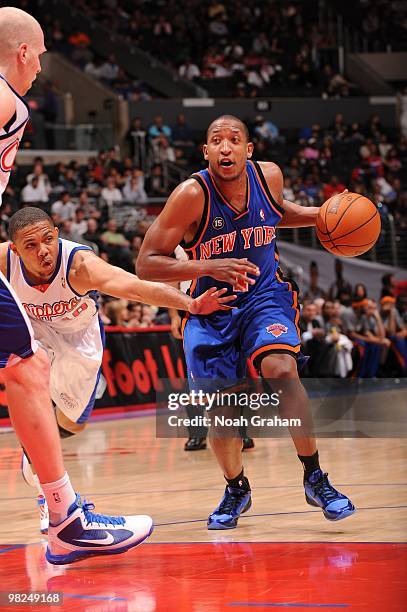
(336, 248)
(366, 229)
(352, 231)
(344, 212)
(355, 246)
(376, 212)
(319, 229)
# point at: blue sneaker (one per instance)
(319, 492)
(84, 534)
(234, 502)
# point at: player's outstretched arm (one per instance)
(294, 214)
(179, 220)
(298, 216)
(89, 273)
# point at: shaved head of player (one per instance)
(21, 45)
(34, 238)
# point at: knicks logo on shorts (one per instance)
(276, 329)
(8, 155)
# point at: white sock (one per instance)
(59, 495)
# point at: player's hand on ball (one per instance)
(233, 271)
(210, 301)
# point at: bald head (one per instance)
(16, 27)
(21, 44)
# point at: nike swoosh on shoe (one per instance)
(109, 539)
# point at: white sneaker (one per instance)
(84, 533)
(32, 480)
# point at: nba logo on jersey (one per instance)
(276, 329)
(263, 218)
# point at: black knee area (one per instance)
(64, 433)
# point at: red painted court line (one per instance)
(215, 576)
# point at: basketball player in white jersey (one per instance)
(74, 532)
(56, 281)
(25, 367)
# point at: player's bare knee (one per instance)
(279, 366)
(31, 373)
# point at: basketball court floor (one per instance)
(283, 554)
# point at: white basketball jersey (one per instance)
(10, 137)
(54, 304)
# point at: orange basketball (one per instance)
(348, 224)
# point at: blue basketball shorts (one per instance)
(16, 334)
(218, 347)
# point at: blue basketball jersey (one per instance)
(266, 318)
(225, 232)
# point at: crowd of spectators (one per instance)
(77, 46)
(381, 23)
(230, 47)
(317, 162)
(109, 203)
(246, 49)
(346, 333)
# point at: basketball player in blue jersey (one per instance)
(225, 217)
(75, 532)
